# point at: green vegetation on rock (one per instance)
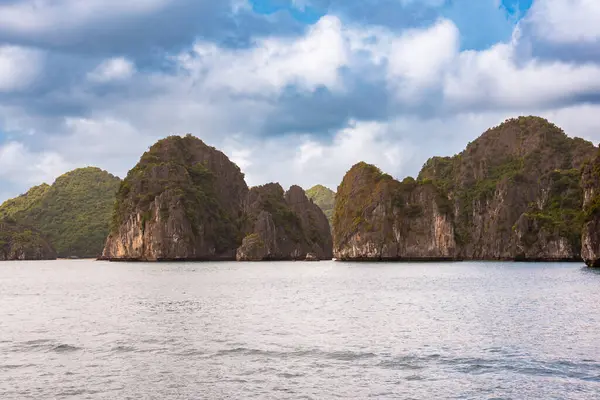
(513, 160)
(19, 242)
(270, 198)
(324, 198)
(591, 182)
(73, 213)
(169, 173)
(362, 187)
(561, 213)
(185, 200)
(514, 192)
(590, 249)
(378, 217)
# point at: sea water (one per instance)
(294, 330)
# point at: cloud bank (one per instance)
(297, 94)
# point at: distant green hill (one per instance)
(74, 213)
(23, 243)
(324, 198)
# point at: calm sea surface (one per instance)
(95, 330)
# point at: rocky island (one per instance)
(515, 193)
(590, 250)
(284, 226)
(18, 242)
(185, 200)
(523, 190)
(73, 213)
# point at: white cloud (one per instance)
(306, 161)
(418, 58)
(19, 67)
(114, 69)
(20, 165)
(45, 16)
(105, 142)
(566, 21)
(240, 5)
(228, 96)
(300, 4)
(578, 120)
(273, 63)
(497, 78)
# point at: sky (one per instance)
(293, 91)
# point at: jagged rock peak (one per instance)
(183, 200)
(513, 193)
(283, 226)
(379, 218)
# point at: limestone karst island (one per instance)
(299, 199)
(523, 190)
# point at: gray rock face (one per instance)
(187, 201)
(513, 194)
(590, 239)
(379, 218)
(283, 226)
(183, 201)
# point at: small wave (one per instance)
(475, 368)
(289, 375)
(190, 353)
(44, 345)
(247, 351)
(401, 363)
(349, 355)
(65, 348)
(36, 342)
(159, 341)
(77, 392)
(123, 349)
(15, 366)
(333, 355)
(236, 380)
(182, 306)
(557, 368)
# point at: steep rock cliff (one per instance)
(379, 218)
(516, 192)
(590, 240)
(513, 193)
(284, 226)
(18, 242)
(183, 200)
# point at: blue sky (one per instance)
(293, 91)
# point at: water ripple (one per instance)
(106, 331)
